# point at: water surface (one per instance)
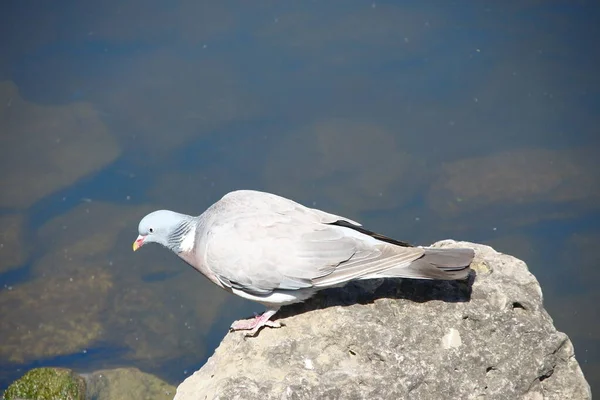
(474, 121)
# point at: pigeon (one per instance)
(275, 251)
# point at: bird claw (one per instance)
(253, 325)
(273, 324)
(255, 330)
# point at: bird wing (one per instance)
(261, 242)
(252, 200)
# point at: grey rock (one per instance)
(488, 338)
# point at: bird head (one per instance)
(164, 227)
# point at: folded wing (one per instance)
(290, 247)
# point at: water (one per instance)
(472, 121)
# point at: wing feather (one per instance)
(259, 242)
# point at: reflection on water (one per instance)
(424, 122)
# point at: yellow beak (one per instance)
(138, 242)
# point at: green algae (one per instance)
(47, 384)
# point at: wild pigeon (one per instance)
(275, 251)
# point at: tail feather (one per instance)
(444, 264)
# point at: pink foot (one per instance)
(254, 324)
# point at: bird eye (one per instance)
(151, 230)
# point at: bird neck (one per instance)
(183, 237)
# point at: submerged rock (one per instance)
(90, 231)
(53, 315)
(88, 289)
(127, 383)
(47, 384)
(58, 138)
(488, 338)
(522, 178)
(61, 310)
(12, 246)
(107, 384)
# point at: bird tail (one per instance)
(445, 264)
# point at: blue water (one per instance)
(363, 109)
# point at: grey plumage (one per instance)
(275, 251)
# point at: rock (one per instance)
(126, 384)
(12, 247)
(158, 326)
(522, 177)
(53, 315)
(47, 384)
(145, 313)
(89, 231)
(487, 338)
(88, 288)
(108, 384)
(61, 310)
(67, 142)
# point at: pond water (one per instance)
(473, 121)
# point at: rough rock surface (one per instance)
(488, 338)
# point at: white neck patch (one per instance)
(188, 241)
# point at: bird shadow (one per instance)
(366, 292)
